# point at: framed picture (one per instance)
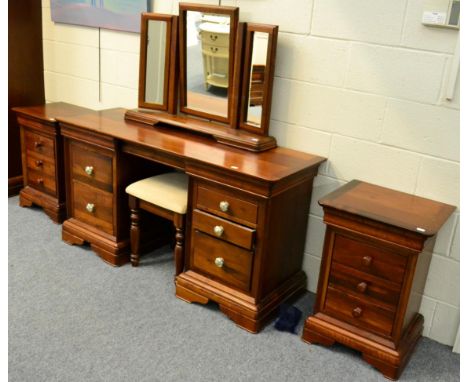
(124, 15)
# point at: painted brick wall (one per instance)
(360, 82)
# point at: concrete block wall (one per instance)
(360, 82)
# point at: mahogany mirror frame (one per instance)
(170, 74)
(233, 13)
(272, 31)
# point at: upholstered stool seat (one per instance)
(164, 195)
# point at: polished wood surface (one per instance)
(373, 272)
(42, 156)
(25, 76)
(399, 209)
(270, 166)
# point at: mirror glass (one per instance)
(155, 61)
(257, 78)
(207, 65)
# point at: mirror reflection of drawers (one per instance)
(215, 51)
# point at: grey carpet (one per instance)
(74, 318)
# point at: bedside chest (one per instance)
(376, 256)
(42, 156)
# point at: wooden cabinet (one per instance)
(375, 260)
(42, 156)
(246, 244)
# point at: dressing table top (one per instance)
(271, 166)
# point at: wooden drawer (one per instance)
(216, 51)
(358, 312)
(213, 200)
(375, 289)
(85, 158)
(215, 39)
(42, 182)
(223, 229)
(39, 144)
(100, 215)
(237, 262)
(367, 258)
(41, 164)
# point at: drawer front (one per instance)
(234, 264)
(92, 206)
(358, 312)
(37, 143)
(42, 182)
(41, 164)
(216, 51)
(369, 287)
(225, 204)
(90, 166)
(223, 229)
(215, 39)
(367, 258)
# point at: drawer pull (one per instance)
(38, 144)
(39, 163)
(213, 49)
(90, 207)
(219, 262)
(357, 312)
(367, 261)
(218, 230)
(362, 287)
(213, 37)
(224, 206)
(40, 181)
(89, 170)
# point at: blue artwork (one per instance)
(121, 15)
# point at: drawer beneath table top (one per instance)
(92, 206)
(220, 260)
(39, 144)
(226, 204)
(215, 39)
(368, 258)
(91, 166)
(223, 229)
(358, 312)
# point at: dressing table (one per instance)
(248, 200)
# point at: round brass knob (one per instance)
(219, 262)
(367, 261)
(218, 230)
(224, 206)
(362, 287)
(90, 207)
(89, 170)
(357, 312)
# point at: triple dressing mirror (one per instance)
(221, 69)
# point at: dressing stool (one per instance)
(163, 195)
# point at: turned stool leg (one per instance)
(179, 246)
(134, 231)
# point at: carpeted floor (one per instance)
(74, 318)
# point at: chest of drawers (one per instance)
(246, 244)
(375, 260)
(215, 51)
(42, 157)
